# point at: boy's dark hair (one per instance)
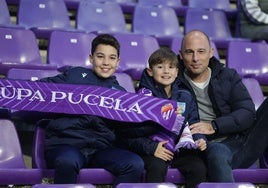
(161, 55)
(105, 39)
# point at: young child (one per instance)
(77, 141)
(159, 150)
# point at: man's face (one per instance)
(196, 53)
(104, 60)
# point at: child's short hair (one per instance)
(106, 39)
(161, 55)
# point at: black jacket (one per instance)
(86, 132)
(234, 108)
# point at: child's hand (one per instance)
(163, 153)
(201, 144)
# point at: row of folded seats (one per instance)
(13, 170)
(162, 22)
(19, 49)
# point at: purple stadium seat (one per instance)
(135, 52)
(43, 16)
(177, 5)
(256, 176)
(254, 90)
(157, 21)
(63, 186)
(176, 46)
(249, 59)
(213, 22)
(89, 175)
(125, 81)
(19, 48)
(13, 170)
(226, 185)
(68, 48)
(146, 185)
(224, 5)
(100, 17)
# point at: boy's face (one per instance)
(104, 60)
(164, 73)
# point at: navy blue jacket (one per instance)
(146, 146)
(86, 132)
(234, 108)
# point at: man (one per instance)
(226, 110)
(77, 141)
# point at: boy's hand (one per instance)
(201, 144)
(163, 153)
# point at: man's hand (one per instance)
(202, 128)
(163, 153)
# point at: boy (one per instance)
(77, 141)
(160, 79)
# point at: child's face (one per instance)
(164, 73)
(104, 60)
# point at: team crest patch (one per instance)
(181, 106)
(167, 110)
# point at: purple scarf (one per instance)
(85, 99)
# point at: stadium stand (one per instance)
(5, 19)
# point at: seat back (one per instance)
(158, 21)
(254, 90)
(101, 17)
(43, 15)
(30, 74)
(10, 155)
(251, 61)
(135, 52)
(18, 46)
(125, 81)
(38, 160)
(5, 19)
(68, 48)
(213, 22)
(176, 46)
